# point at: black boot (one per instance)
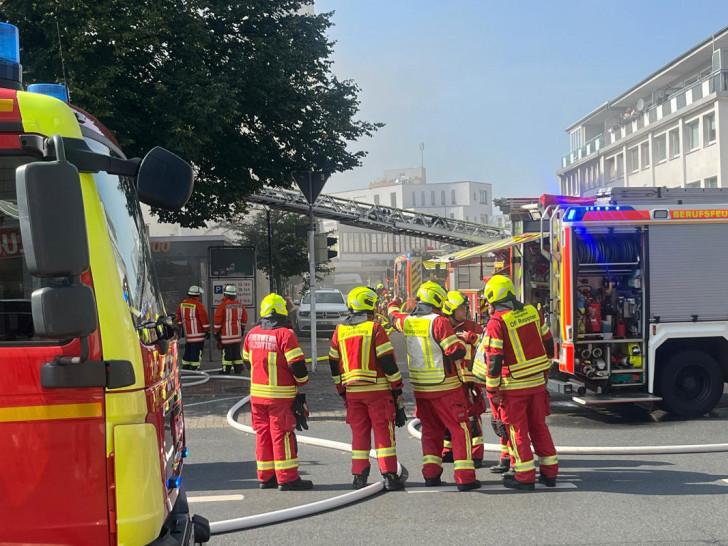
(447, 457)
(475, 484)
(434, 482)
(478, 463)
(360, 480)
(186, 367)
(392, 482)
(512, 483)
(270, 484)
(296, 485)
(503, 465)
(548, 482)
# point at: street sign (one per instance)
(246, 294)
(311, 184)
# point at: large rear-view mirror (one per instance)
(164, 180)
(64, 312)
(52, 220)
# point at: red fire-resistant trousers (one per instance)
(275, 439)
(525, 417)
(448, 410)
(367, 412)
(476, 428)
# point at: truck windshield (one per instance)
(16, 283)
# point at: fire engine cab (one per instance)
(635, 293)
(91, 422)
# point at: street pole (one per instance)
(312, 273)
(270, 252)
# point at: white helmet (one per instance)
(194, 291)
(230, 290)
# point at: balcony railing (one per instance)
(664, 106)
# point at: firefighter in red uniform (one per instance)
(367, 378)
(230, 320)
(457, 309)
(434, 358)
(193, 320)
(278, 366)
(519, 351)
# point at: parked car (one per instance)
(331, 310)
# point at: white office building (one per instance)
(371, 253)
(671, 129)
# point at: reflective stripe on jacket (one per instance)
(230, 319)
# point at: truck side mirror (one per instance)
(52, 220)
(164, 180)
(64, 312)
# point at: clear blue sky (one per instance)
(490, 87)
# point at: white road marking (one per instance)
(454, 489)
(216, 498)
(210, 401)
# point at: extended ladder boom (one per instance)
(380, 218)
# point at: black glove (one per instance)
(400, 417)
(207, 335)
(499, 427)
(300, 410)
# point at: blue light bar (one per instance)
(55, 90)
(9, 43)
(570, 214)
(10, 70)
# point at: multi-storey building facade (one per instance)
(371, 253)
(671, 129)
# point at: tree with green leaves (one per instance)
(243, 90)
(290, 252)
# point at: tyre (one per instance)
(690, 384)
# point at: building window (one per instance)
(376, 199)
(475, 196)
(633, 159)
(432, 198)
(442, 197)
(609, 165)
(711, 182)
(422, 195)
(393, 199)
(452, 215)
(674, 143)
(483, 218)
(414, 200)
(692, 136)
(620, 166)
(483, 197)
(709, 128)
(695, 184)
(660, 148)
(452, 197)
(645, 153)
(467, 218)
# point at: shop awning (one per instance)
(481, 250)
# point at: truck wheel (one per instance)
(691, 384)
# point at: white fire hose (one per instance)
(248, 522)
(606, 450)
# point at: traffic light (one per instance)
(322, 245)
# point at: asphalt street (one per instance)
(657, 499)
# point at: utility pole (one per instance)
(311, 184)
(270, 251)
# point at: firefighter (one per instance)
(230, 320)
(434, 357)
(192, 319)
(514, 359)
(457, 309)
(278, 366)
(367, 378)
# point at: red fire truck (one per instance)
(91, 421)
(634, 294)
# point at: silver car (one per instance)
(331, 310)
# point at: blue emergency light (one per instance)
(10, 68)
(55, 90)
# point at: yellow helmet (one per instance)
(273, 304)
(454, 300)
(498, 288)
(380, 286)
(432, 293)
(362, 298)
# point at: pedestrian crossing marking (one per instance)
(216, 498)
